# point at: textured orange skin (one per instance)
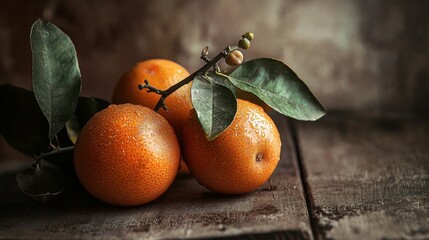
(161, 74)
(240, 159)
(127, 155)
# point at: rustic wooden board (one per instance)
(369, 179)
(187, 210)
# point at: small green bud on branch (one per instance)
(244, 43)
(249, 36)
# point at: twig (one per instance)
(53, 152)
(209, 63)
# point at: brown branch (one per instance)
(53, 152)
(165, 93)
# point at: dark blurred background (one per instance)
(355, 55)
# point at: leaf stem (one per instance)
(53, 152)
(165, 93)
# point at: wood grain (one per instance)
(369, 179)
(187, 210)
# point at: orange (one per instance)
(240, 159)
(161, 74)
(127, 155)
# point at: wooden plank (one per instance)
(368, 178)
(187, 210)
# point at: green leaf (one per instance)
(214, 104)
(86, 108)
(22, 123)
(56, 74)
(222, 79)
(73, 128)
(279, 87)
(42, 180)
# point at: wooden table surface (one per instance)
(343, 177)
